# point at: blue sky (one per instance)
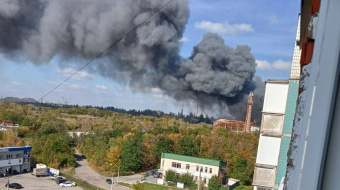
(267, 26)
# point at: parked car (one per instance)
(67, 184)
(56, 176)
(60, 180)
(108, 181)
(14, 186)
(158, 175)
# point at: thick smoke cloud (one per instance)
(218, 77)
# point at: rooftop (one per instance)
(192, 159)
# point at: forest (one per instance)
(133, 142)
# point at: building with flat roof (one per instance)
(201, 168)
(15, 159)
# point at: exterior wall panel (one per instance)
(275, 97)
(268, 150)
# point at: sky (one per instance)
(267, 26)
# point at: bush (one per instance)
(171, 176)
(188, 180)
(215, 183)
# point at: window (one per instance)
(206, 170)
(201, 169)
(187, 166)
(197, 168)
(8, 156)
(178, 165)
(17, 156)
(210, 170)
(0, 157)
(174, 164)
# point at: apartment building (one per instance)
(202, 169)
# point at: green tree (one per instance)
(164, 144)
(131, 153)
(188, 180)
(188, 146)
(215, 183)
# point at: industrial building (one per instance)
(15, 159)
(276, 127)
(202, 169)
(238, 126)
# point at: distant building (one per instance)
(7, 122)
(15, 159)
(236, 126)
(202, 169)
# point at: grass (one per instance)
(150, 186)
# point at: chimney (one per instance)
(249, 109)
(196, 109)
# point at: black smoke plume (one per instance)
(218, 77)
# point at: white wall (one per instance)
(13, 162)
(268, 150)
(275, 97)
(168, 166)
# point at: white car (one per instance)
(67, 184)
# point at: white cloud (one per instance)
(282, 65)
(263, 65)
(75, 86)
(81, 75)
(278, 65)
(101, 87)
(16, 84)
(224, 28)
(184, 39)
(273, 19)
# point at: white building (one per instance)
(202, 169)
(268, 152)
(15, 159)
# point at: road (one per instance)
(85, 172)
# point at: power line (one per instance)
(107, 49)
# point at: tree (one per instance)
(164, 144)
(113, 158)
(131, 153)
(188, 146)
(188, 180)
(215, 183)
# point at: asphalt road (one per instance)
(85, 172)
(30, 182)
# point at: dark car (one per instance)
(108, 181)
(60, 180)
(14, 185)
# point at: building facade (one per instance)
(276, 127)
(15, 159)
(202, 169)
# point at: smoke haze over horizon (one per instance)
(217, 76)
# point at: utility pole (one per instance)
(112, 179)
(118, 175)
(199, 180)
